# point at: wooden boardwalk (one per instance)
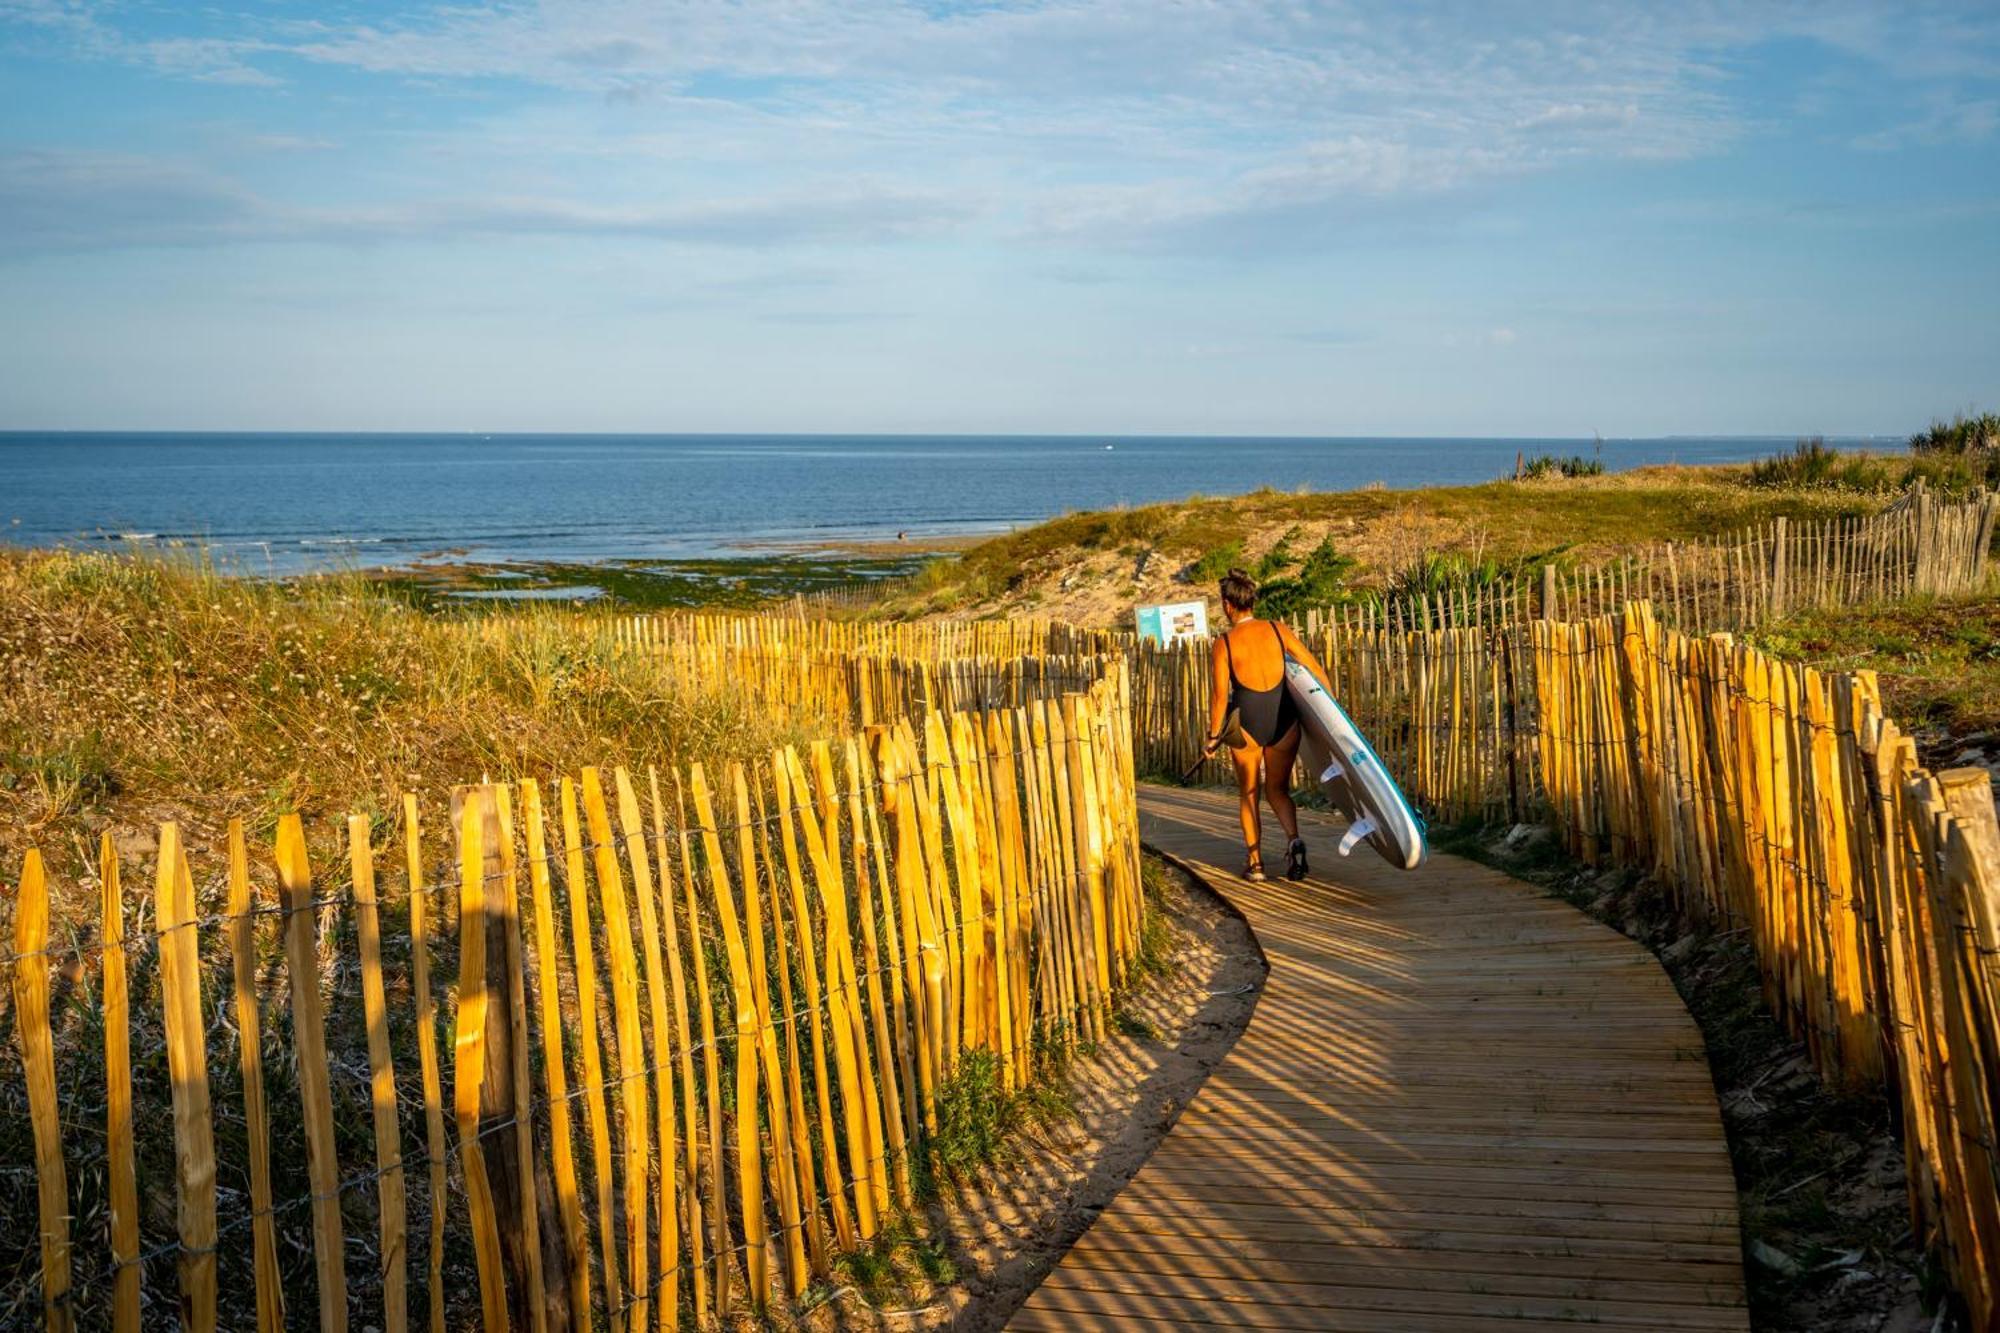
(1459, 1105)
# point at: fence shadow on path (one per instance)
(1459, 1104)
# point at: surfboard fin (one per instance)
(1356, 831)
(1333, 770)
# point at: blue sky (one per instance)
(1370, 218)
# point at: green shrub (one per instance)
(1440, 571)
(1548, 465)
(1156, 942)
(1961, 435)
(1279, 558)
(904, 1261)
(1948, 460)
(98, 575)
(71, 775)
(1130, 1023)
(1322, 581)
(1953, 474)
(1814, 463)
(1216, 561)
(973, 1114)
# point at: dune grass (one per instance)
(1964, 434)
(1938, 660)
(141, 690)
(1812, 464)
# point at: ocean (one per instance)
(285, 503)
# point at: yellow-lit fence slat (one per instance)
(637, 1298)
(791, 814)
(682, 1157)
(583, 959)
(315, 1090)
(900, 883)
(691, 976)
(256, 1115)
(382, 1080)
(754, 857)
(633, 831)
(38, 1060)
(512, 1101)
(187, 1066)
(749, 1152)
(469, 1066)
(795, 1105)
(555, 1073)
(120, 1149)
(427, 1053)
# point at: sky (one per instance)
(1430, 217)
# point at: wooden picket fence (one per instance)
(1919, 546)
(866, 687)
(1443, 686)
(849, 598)
(1441, 708)
(752, 989)
(1765, 795)
(1775, 798)
(929, 640)
(979, 829)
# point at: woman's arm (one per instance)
(1304, 655)
(1218, 695)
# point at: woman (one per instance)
(1249, 676)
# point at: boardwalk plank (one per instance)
(1459, 1105)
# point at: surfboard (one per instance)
(1352, 776)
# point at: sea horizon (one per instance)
(240, 433)
(280, 503)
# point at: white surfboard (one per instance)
(1352, 776)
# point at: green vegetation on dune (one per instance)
(1548, 465)
(140, 690)
(1963, 434)
(1322, 580)
(1938, 660)
(1946, 468)
(1377, 540)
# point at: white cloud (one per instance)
(1949, 121)
(1108, 123)
(209, 60)
(81, 201)
(74, 200)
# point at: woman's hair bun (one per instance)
(1239, 590)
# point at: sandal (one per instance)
(1253, 867)
(1295, 860)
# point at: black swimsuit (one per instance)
(1268, 716)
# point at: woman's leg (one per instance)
(1279, 761)
(1247, 758)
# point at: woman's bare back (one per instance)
(1256, 654)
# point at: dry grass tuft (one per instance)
(139, 690)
